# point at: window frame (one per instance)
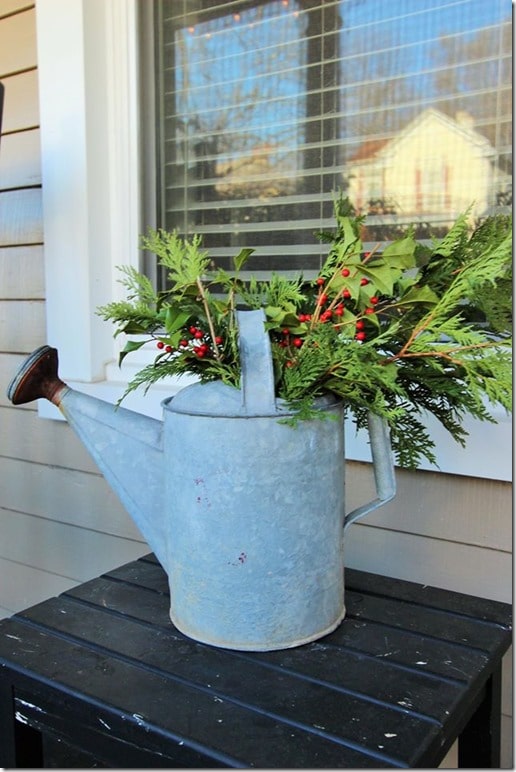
(94, 178)
(92, 186)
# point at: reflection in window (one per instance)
(267, 107)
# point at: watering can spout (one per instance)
(126, 446)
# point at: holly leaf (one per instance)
(418, 295)
(345, 256)
(283, 316)
(346, 324)
(275, 313)
(131, 345)
(175, 318)
(175, 337)
(381, 276)
(136, 328)
(219, 306)
(348, 232)
(401, 253)
(241, 259)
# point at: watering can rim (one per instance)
(256, 395)
(184, 403)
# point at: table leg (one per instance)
(479, 743)
(20, 744)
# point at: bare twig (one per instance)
(209, 319)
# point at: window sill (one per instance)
(471, 461)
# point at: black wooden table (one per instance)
(99, 677)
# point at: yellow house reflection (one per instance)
(435, 167)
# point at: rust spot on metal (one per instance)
(239, 561)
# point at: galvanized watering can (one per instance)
(245, 513)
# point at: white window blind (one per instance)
(267, 107)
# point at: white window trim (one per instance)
(88, 116)
(89, 125)
(88, 87)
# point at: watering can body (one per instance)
(245, 512)
(257, 514)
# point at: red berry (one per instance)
(346, 294)
(364, 281)
(219, 341)
(297, 342)
(160, 344)
(289, 364)
(373, 300)
(200, 351)
(369, 311)
(286, 331)
(193, 330)
(198, 334)
(320, 281)
(169, 349)
(326, 315)
(361, 336)
(308, 317)
(321, 300)
(360, 325)
(339, 310)
(183, 343)
(345, 272)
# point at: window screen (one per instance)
(267, 108)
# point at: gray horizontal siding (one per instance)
(61, 524)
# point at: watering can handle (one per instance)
(257, 369)
(259, 399)
(383, 466)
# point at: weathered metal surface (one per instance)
(245, 513)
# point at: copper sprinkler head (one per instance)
(36, 378)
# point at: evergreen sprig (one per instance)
(401, 331)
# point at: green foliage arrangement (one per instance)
(400, 330)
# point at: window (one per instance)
(95, 176)
(267, 107)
